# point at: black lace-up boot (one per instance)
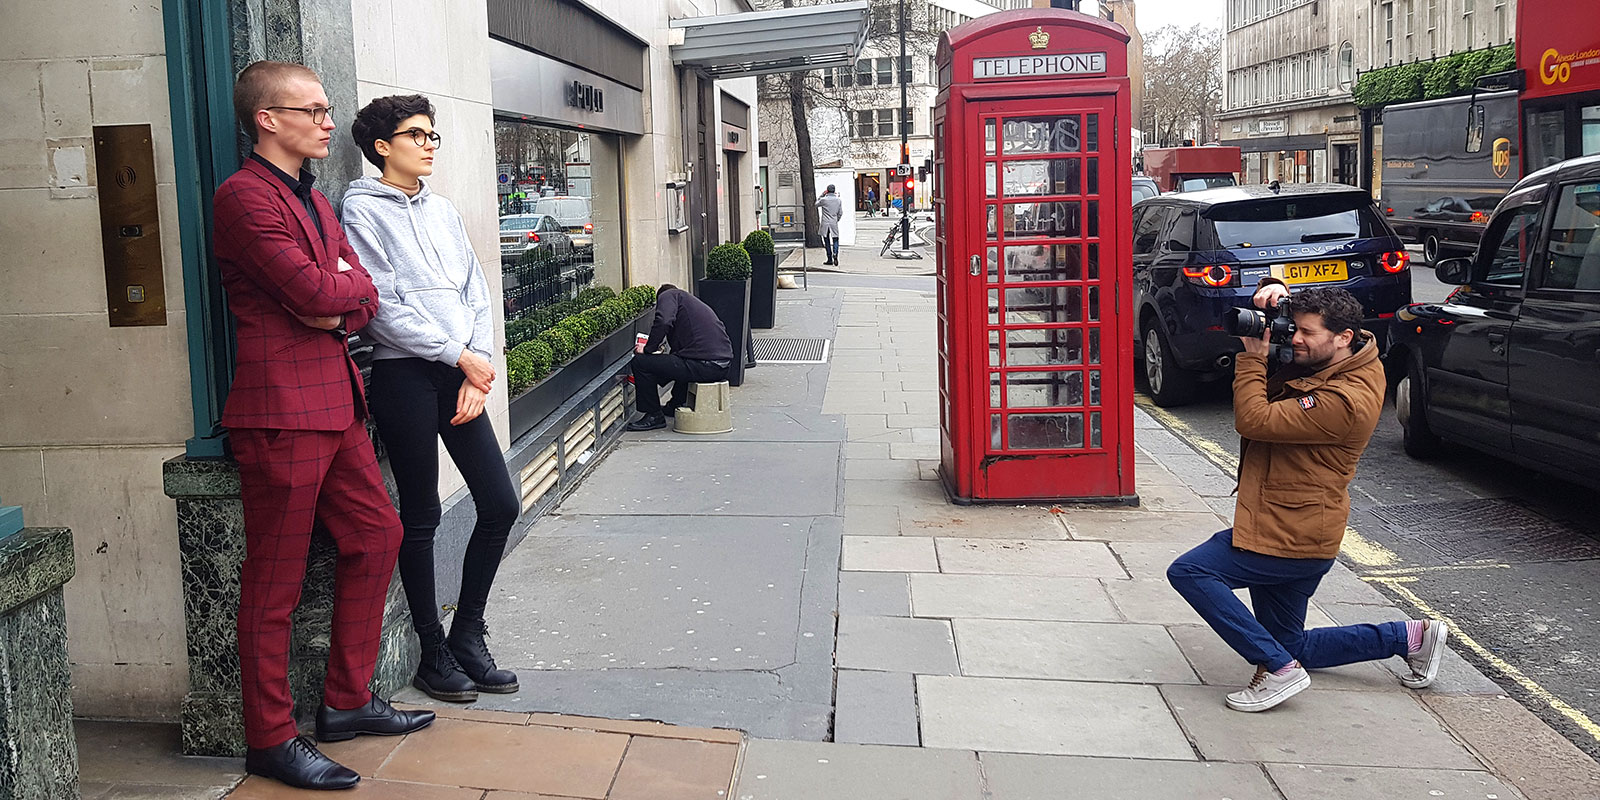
(467, 643)
(438, 673)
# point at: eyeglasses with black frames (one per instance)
(419, 137)
(318, 113)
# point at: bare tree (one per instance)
(1182, 84)
(833, 99)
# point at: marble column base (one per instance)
(211, 550)
(38, 750)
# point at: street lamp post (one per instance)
(905, 146)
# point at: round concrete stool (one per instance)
(707, 410)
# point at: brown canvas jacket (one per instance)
(1299, 449)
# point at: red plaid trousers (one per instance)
(289, 479)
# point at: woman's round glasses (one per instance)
(419, 136)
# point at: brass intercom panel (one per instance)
(130, 229)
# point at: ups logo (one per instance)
(1500, 158)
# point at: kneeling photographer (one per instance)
(1302, 429)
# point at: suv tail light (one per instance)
(1395, 261)
(1478, 216)
(1218, 276)
(533, 237)
(588, 227)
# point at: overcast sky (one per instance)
(1154, 14)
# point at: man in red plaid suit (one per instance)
(295, 416)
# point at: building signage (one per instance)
(584, 96)
(1271, 127)
(1027, 66)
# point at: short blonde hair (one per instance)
(260, 85)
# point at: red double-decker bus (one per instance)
(1558, 52)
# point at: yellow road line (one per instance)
(1413, 570)
(1515, 675)
(1370, 554)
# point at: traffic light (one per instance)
(911, 185)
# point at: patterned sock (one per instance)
(1414, 629)
(1284, 670)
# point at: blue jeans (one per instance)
(1279, 588)
(830, 245)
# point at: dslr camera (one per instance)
(1278, 319)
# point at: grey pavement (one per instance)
(804, 580)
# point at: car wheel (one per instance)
(1170, 385)
(1430, 249)
(1411, 406)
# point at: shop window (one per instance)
(560, 220)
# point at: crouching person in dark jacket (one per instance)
(700, 353)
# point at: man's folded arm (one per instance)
(271, 256)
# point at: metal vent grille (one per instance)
(791, 351)
(1489, 528)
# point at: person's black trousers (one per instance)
(653, 370)
(412, 401)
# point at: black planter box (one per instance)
(731, 301)
(533, 405)
(763, 290)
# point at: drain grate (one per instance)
(776, 350)
(1463, 515)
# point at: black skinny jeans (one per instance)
(413, 400)
(654, 370)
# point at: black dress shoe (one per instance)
(648, 422)
(300, 764)
(376, 718)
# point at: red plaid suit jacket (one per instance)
(275, 266)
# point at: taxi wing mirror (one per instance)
(1454, 271)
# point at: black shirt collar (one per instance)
(301, 187)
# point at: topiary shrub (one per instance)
(759, 243)
(560, 344)
(728, 262)
(639, 298)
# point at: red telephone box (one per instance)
(1032, 197)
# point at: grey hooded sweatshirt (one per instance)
(433, 301)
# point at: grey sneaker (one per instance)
(1425, 662)
(1268, 689)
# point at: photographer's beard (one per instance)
(1315, 348)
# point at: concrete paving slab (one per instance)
(1142, 525)
(1151, 600)
(1013, 557)
(1320, 726)
(1341, 585)
(1519, 746)
(1304, 782)
(819, 591)
(880, 469)
(1011, 715)
(1218, 665)
(1149, 560)
(876, 708)
(928, 470)
(1078, 651)
(1006, 522)
(1011, 776)
(1009, 597)
(871, 520)
(712, 478)
(1456, 676)
(769, 704)
(889, 554)
(866, 450)
(875, 594)
(1172, 498)
(776, 770)
(897, 644)
(912, 490)
(906, 448)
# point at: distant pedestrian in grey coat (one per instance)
(832, 209)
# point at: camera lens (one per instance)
(1244, 322)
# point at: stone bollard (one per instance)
(38, 749)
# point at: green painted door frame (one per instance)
(205, 147)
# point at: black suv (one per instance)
(1198, 254)
(1510, 362)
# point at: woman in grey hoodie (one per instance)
(431, 373)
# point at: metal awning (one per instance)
(782, 40)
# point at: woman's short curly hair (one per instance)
(380, 118)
